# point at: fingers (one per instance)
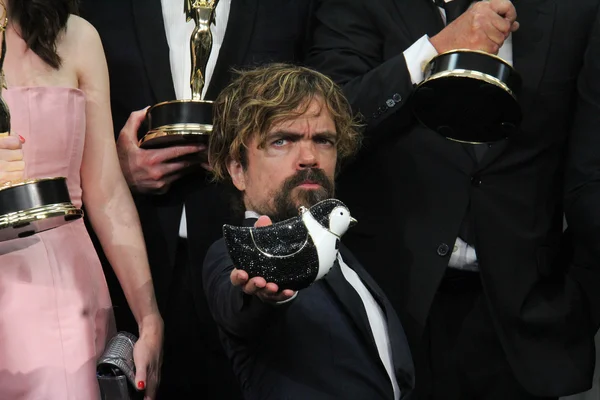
(141, 362)
(503, 26)
(275, 297)
(238, 277)
(504, 8)
(168, 170)
(254, 285)
(12, 142)
(10, 177)
(258, 286)
(133, 123)
(495, 40)
(263, 220)
(11, 155)
(508, 16)
(152, 386)
(13, 166)
(171, 153)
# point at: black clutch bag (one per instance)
(293, 253)
(116, 371)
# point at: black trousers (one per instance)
(194, 363)
(460, 356)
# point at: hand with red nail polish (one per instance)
(12, 165)
(147, 355)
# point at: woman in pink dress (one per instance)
(55, 310)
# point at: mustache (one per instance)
(315, 175)
(286, 207)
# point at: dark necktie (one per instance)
(453, 8)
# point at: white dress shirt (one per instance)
(375, 315)
(417, 56)
(377, 322)
(178, 33)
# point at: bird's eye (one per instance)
(341, 213)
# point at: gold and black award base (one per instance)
(469, 96)
(178, 122)
(34, 206)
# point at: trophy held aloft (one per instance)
(180, 122)
(469, 96)
(30, 206)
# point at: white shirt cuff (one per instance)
(417, 56)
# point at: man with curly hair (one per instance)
(280, 133)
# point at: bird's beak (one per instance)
(353, 222)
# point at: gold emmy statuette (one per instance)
(469, 96)
(179, 122)
(32, 205)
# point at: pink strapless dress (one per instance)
(55, 310)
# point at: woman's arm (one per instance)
(106, 196)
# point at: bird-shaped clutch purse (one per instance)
(293, 253)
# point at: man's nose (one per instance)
(308, 156)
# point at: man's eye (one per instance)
(279, 142)
(324, 141)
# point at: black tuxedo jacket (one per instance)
(410, 187)
(133, 35)
(318, 346)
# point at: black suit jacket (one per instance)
(410, 187)
(133, 35)
(318, 346)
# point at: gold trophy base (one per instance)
(178, 122)
(34, 206)
(469, 96)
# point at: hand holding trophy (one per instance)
(469, 94)
(27, 206)
(179, 122)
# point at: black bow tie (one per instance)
(453, 8)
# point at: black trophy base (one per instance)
(35, 206)
(178, 122)
(469, 97)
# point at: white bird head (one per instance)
(333, 215)
(340, 220)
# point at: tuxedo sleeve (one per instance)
(582, 189)
(234, 311)
(347, 46)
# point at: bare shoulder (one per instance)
(80, 38)
(81, 49)
(81, 32)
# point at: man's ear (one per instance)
(236, 172)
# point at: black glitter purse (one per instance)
(293, 253)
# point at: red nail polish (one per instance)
(141, 385)
(22, 139)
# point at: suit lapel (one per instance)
(150, 28)
(240, 25)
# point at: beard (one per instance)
(286, 204)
